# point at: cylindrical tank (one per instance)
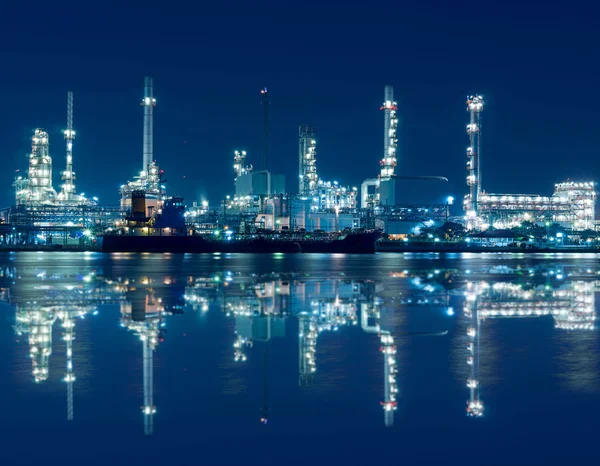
(138, 203)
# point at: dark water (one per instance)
(302, 359)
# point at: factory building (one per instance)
(43, 215)
(37, 188)
(320, 205)
(572, 205)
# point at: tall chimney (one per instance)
(148, 102)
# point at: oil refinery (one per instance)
(261, 202)
(572, 204)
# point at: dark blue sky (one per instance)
(325, 63)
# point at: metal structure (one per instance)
(68, 176)
(149, 179)
(390, 139)
(148, 102)
(39, 213)
(37, 187)
(239, 164)
(265, 104)
(474, 107)
(572, 205)
(307, 162)
(48, 216)
(383, 187)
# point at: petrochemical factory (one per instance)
(261, 202)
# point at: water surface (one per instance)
(298, 359)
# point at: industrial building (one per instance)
(149, 180)
(43, 215)
(572, 205)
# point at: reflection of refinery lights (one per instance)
(147, 326)
(307, 343)
(240, 344)
(391, 388)
(474, 404)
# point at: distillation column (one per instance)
(148, 103)
(474, 107)
(390, 141)
(307, 162)
(40, 168)
(386, 187)
(68, 176)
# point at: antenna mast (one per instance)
(265, 103)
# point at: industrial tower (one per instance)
(239, 164)
(386, 192)
(390, 141)
(307, 162)
(68, 176)
(39, 177)
(385, 183)
(148, 103)
(474, 107)
(149, 178)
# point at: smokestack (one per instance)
(148, 102)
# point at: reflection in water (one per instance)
(571, 303)
(262, 308)
(43, 298)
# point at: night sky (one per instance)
(325, 63)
